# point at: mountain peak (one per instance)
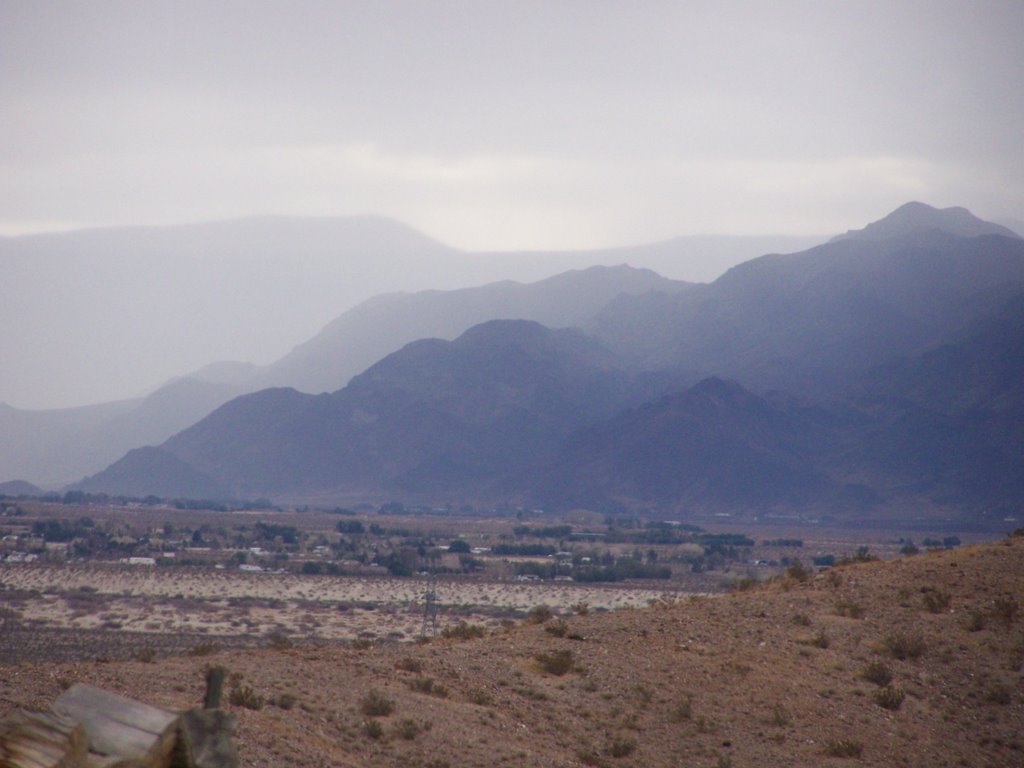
(919, 217)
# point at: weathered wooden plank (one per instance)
(91, 728)
(92, 760)
(25, 755)
(120, 727)
(27, 741)
(41, 740)
(109, 737)
(81, 698)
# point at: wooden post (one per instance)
(214, 687)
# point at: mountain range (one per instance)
(874, 375)
(95, 316)
(53, 448)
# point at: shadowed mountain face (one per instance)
(812, 322)
(513, 411)
(715, 446)
(434, 415)
(952, 417)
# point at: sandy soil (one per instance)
(224, 603)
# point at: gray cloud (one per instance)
(555, 124)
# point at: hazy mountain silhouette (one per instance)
(365, 334)
(56, 447)
(917, 217)
(156, 471)
(433, 416)
(247, 289)
(19, 488)
(96, 300)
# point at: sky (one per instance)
(503, 126)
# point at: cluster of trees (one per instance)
(524, 550)
(544, 532)
(84, 499)
(623, 568)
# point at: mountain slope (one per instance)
(951, 419)
(900, 358)
(19, 488)
(433, 414)
(919, 217)
(52, 448)
(714, 447)
(813, 321)
(365, 334)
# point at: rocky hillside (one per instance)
(915, 662)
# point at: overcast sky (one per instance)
(506, 125)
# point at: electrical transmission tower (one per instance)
(430, 607)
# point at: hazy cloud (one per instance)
(606, 116)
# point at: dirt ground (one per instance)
(233, 605)
(787, 674)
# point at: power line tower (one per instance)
(430, 607)
(8, 624)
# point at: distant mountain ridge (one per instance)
(53, 447)
(246, 289)
(914, 340)
(809, 322)
(57, 447)
(917, 217)
(365, 334)
(19, 488)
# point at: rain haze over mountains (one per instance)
(562, 253)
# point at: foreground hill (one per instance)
(916, 662)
